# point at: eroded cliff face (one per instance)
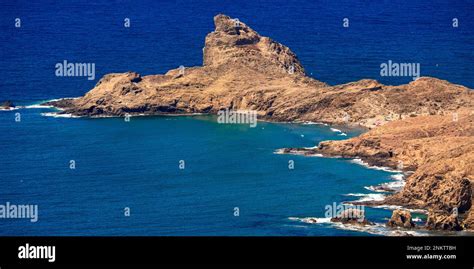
(234, 43)
(439, 150)
(413, 123)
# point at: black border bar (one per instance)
(242, 250)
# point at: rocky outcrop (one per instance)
(443, 221)
(352, 216)
(425, 126)
(235, 43)
(401, 218)
(468, 222)
(7, 105)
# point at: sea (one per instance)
(190, 175)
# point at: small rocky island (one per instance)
(7, 105)
(426, 125)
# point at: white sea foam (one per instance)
(342, 134)
(394, 186)
(60, 99)
(387, 187)
(278, 151)
(386, 169)
(393, 207)
(380, 229)
(359, 162)
(365, 197)
(281, 151)
(56, 115)
(315, 147)
(37, 106)
(398, 177)
(377, 228)
(311, 220)
(9, 109)
(388, 207)
(373, 188)
(314, 123)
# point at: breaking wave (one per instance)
(393, 186)
(376, 229)
(57, 115)
(367, 197)
(386, 169)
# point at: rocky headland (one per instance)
(437, 153)
(425, 127)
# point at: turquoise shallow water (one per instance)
(136, 164)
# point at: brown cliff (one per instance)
(437, 148)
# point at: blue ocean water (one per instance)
(135, 164)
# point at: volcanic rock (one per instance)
(352, 216)
(443, 221)
(401, 218)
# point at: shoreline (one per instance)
(350, 149)
(358, 161)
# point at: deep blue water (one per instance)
(135, 164)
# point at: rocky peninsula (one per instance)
(425, 126)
